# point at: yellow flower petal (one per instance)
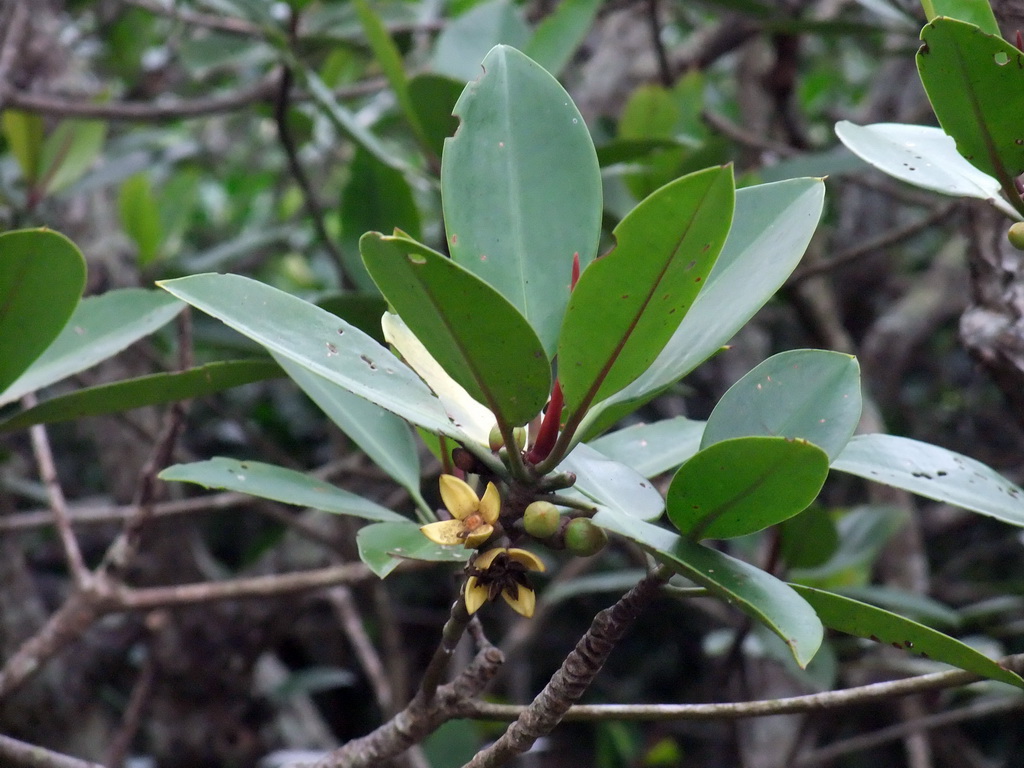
(490, 504)
(527, 559)
(458, 497)
(479, 536)
(445, 532)
(476, 595)
(483, 561)
(523, 603)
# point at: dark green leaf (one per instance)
(628, 304)
(376, 198)
(809, 394)
(935, 473)
(521, 188)
(975, 82)
(100, 327)
(808, 539)
(744, 485)
(862, 620)
(434, 97)
(755, 592)
(771, 229)
(277, 483)
(383, 545)
(477, 336)
(24, 134)
(42, 275)
(977, 12)
(157, 389)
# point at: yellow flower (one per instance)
(474, 518)
(502, 571)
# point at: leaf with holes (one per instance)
(472, 331)
(923, 156)
(628, 304)
(975, 82)
(935, 473)
(318, 340)
(744, 485)
(279, 484)
(521, 188)
(853, 617)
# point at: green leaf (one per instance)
(862, 620)
(923, 156)
(69, 152)
(100, 327)
(465, 40)
(140, 216)
(477, 336)
(433, 98)
(611, 484)
(975, 83)
(755, 592)
(389, 60)
(771, 228)
(375, 198)
(42, 275)
(521, 188)
(628, 304)
(557, 37)
(382, 436)
(383, 545)
(652, 449)
(156, 389)
(911, 605)
(268, 481)
(863, 533)
(24, 134)
(809, 539)
(363, 310)
(318, 340)
(977, 12)
(744, 485)
(933, 472)
(809, 394)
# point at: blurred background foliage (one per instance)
(263, 138)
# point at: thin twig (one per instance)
(664, 68)
(885, 240)
(814, 702)
(18, 753)
(369, 659)
(16, 27)
(48, 472)
(309, 196)
(121, 742)
(864, 741)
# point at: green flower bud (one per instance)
(583, 538)
(519, 433)
(1016, 235)
(541, 519)
(494, 439)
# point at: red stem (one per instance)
(548, 433)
